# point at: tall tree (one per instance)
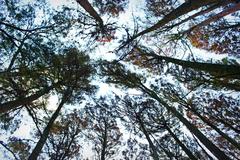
(76, 73)
(151, 121)
(223, 74)
(102, 32)
(117, 74)
(27, 52)
(181, 10)
(206, 118)
(65, 134)
(38, 148)
(136, 117)
(142, 56)
(182, 108)
(103, 128)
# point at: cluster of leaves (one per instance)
(216, 40)
(160, 8)
(63, 139)
(112, 7)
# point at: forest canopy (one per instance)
(119, 79)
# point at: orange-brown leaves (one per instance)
(140, 59)
(217, 42)
(57, 128)
(20, 147)
(111, 7)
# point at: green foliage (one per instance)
(118, 74)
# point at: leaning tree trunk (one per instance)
(153, 149)
(229, 71)
(7, 106)
(225, 136)
(176, 13)
(184, 148)
(202, 12)
(88, 8)
(202, 138)
(38, 148)
(225, 12)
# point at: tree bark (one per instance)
(229, 71)
(88, 7)
(38, 148)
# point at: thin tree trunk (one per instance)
(88, 7)
(153, 149)
(205, 11)
(38, 148)
(8, 149)
(203, 139)
(229, 139)
(7, 106)
(227, 124)
(225, 12)
(184, 148)
(181, 10)
(217, 82)
(104, 144)
(176, 13)
(25, 30)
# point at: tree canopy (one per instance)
(120, 79)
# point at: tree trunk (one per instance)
(205, 11)
(7, 106)
(88, 7)
(38, 148)
(184, 148)
(225, 136)
(153, 149)
(104, 144)
(204, 140)
(230, 71)
(225, 12)
(237, 130)
(183, 9)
